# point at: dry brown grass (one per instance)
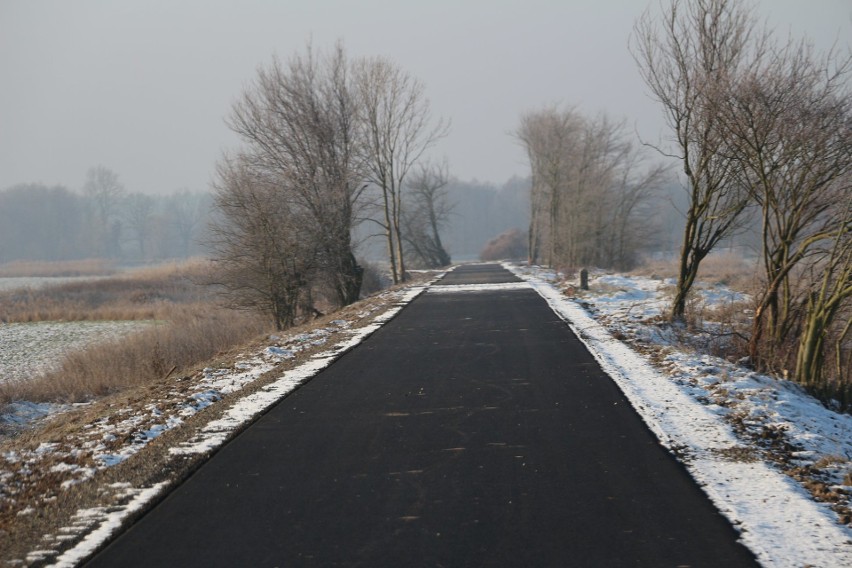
(729, 269)
(726, 268)
(34, 268)
(194, 334)
(140, 294)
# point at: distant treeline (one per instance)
(38, 222)
(478, 212)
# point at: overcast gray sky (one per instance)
(142, 86)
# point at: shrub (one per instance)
(511, 244)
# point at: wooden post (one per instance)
(584, 279)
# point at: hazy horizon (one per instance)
(143, 87)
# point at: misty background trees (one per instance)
(592, 194)
(38, 222)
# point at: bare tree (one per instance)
(187, 210)
(588, 189)
(298, 122)
(827, 298)
(427, 211)
(104, 190)
(635, 192)
(788, 126)
(138, 214)
(397, 130)
(263, 260)
(548, 136)
(688, 59)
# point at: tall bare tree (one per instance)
(829, 296)
(635, 192)
(103, 188)
(298, 123)
(589, 187)
(138, 214)
(548, 136)
(427, 211)
(688, 59)
(398, 129)
(186, 211)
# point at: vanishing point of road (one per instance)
(474, 429)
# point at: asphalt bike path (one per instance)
(474, 429)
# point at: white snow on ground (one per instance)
(685, 405)
(108, 523)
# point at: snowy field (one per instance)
(26, 349)
(35, 282)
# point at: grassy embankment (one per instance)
(188, 327)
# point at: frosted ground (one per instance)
(719, 419)
(36, 282)
(26, 349)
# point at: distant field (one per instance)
(37, 282)
(27, 349)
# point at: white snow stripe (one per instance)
(112, 523)
(456, 288)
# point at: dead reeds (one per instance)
(139, 294)
(61, 268)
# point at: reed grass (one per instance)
(62, 268)
(139, 294)
(730, 269)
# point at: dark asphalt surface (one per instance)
(474, 429)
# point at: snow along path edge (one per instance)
(777, 519)
(241, 413)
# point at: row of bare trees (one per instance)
(764, 128)
(103, 221)
(327, 142)
(591, 189)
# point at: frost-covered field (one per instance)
(34, 282)
(29, 348)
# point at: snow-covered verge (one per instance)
(773, 459)
(81, 475)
